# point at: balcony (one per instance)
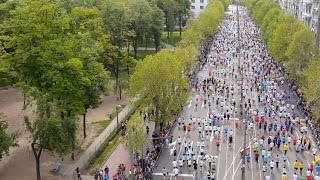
(307, 1)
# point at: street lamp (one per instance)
(117, 111)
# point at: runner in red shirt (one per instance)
(218, 143)
(294, 141)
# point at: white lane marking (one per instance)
(297, 134)
(236, 169)
(180, 175)
(190, 103)
(224, 177)
(255, 135)
(218, 164)
(185, 134)
(234, 132)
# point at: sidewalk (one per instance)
(85, 157)
(119, 156)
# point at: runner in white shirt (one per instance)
(317, 177)
(295, 176)
(314, 151)
(180, 163)
(174, 163)
(268, 177)
(176, 172)
(272, 163)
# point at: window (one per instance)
(193, 7)
(201, 1)
(193, 1)
(201, 7)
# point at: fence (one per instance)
(100, 142)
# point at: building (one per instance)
(197, 6)
(307, 11)
(315, 17)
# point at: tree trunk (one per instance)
(38, 168)
(180, 26)
(84, 125)
(128, 47)
(135, 52)
(146, 45)
(120, 92)
(117, 75)
(73, 149)
(37, 155)
(128, 69)
(24, 101)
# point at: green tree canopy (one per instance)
(7, 141)
(310, 83)
(161, 84)
(302, 48)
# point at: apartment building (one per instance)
(197, 6)
(307, 11)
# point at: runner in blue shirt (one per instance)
(318, 169)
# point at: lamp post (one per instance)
(117, 111)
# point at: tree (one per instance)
(302, 48)
(169, 7)
(269, 17)
(48, 131)
(282, 37)
(159, 80)
(7, 141)
(7, 75)
(272, 26)
(156, 25)
(117, 18)
(183, 12)
(90, 41)
(261, 11)
(136, 133)
(141, 13)
(310, 86)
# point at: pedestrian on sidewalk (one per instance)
(106, 171)
(78, 173)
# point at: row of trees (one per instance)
(160, 79)
(61, 53)
(293, 45)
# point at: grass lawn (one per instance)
(101, 159)
(150, 44)
(141, 54)
(175, 38)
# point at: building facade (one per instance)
(307, 11)
(197, 6)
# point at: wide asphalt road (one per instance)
(228, 155)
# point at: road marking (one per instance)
(180, 148)
(298, 137)
(224, 177)
(255, 135)
(190, 103)
(237, 169)
(234, 144)
(170, 174)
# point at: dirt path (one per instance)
(21, 158)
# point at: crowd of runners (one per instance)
(270, 112)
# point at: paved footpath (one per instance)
(84, 158)
(227, 155)
(119, 156)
